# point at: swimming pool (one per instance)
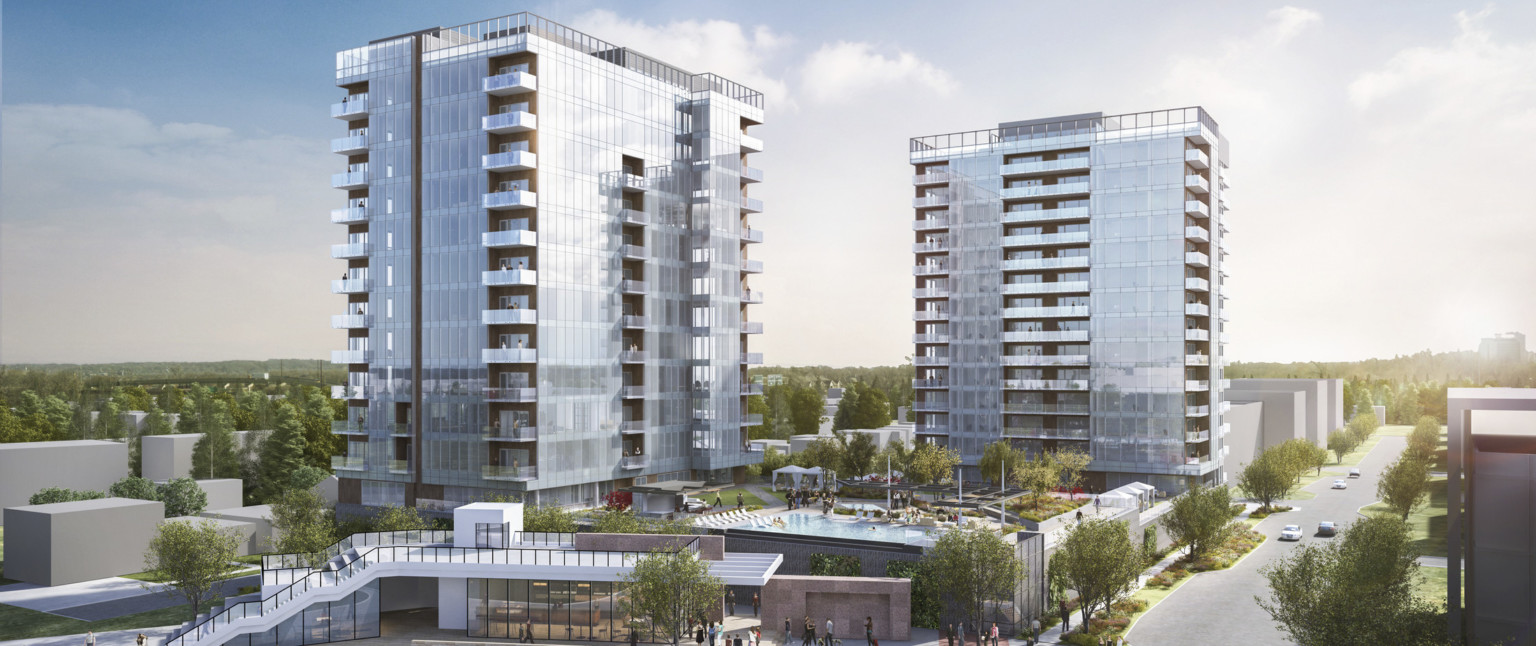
(840, 527)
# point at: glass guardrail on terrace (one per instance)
(1046, 215)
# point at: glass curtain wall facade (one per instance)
(1068, 289)
(545, 284)
(355, 616)
(558, 610)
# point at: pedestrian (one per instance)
(829, 631)
(1066, 617)
(739, 500)
(730, 600)
(711, 634)
(1095, 504)
(634, 636)
(141, 640)
(90, 638)
(994, 633)
(736, 641)
(698, 635)
(951, 635)
(808, 633)
(1079, 515)
(755, 603)
(869, 631)
(1034, 632)
(785, 641)
(528, 629)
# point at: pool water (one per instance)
(817, 525)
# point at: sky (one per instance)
(164, 165)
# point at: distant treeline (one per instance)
(1424, 366)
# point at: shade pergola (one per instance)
(796, 473)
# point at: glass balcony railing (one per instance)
(633, 216)
(510, 433)
(750, 175)
(518, 474)
(349, 215)
(752, 296)
(1197, 184)
(931, 223)
(1197, 360)
(632, 252)
(632, 392)
(1045, 384)
(632, 426)
(508, 200)
(1197, 411)
(930, 360)
(510, 161)
(350, 180)
(349, 427)
(1197, 284)
(632, 356)
(1047, 433)
(1044, 336)
(351, 286)
(752, 419)
(751, 327)
(632, 286)
(509, 317)
(930, 292)
(348, 463)
(511, 238)
(1046, 409)
(634, 461)
(351, 108)
(351, 321)
(929, 201)
(351, 250)
(1197, 234)
(1065, 287)
(1044, 190)
(1197, 309)
(930, 246)
(752, 358)
(1075, 237)
(752, 236)
(1195, 437)
(1045, 359)
(510, 83)
(930, 315)
(1030, 264)
(751, 205)
(509, 355)
(1196, 385)
(499, 277)
(751, 266)
(931, 177)
(1197, 209)
(751, 144)
(930, 338)
(1025, 169)
(511, 394)
(399, 466)
(1197, 335)
(933, 429)
(1196, 259)
(350, 144)
(930, 269)
(634, 321)
(1046, 215)
(631, 182)
(1197, 159)
(1225, 407)
(351, 356)
(504, 123)
(1060, 311)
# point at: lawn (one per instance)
(154, 576)
(1431, 587)
(728, 497)
(1427, 523)
(21, 623)
(1049, 506)
(3, 580)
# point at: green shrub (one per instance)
(836, 565)
(1080, 639)
(52, 495)
(843, 512)
(927, 611)
(1149, 539)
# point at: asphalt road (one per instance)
(1219, 607)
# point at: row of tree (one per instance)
(182, 496)
(1040, 474)
(855, 454)
(1278, 470)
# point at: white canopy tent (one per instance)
(796, 473)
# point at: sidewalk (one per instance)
(156, 635)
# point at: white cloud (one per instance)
(1286, 22)
(722, 47)
(1239, 72)
(1471, 78)
(839, 72)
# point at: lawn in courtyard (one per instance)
(1431, 584)
(1048, 506)
(1427, 523)
(728, 498)
(20, 623)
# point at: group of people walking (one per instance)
(798, 498)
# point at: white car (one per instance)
(1291, 533)
(1340, 484)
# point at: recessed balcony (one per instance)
(349, 215)
(1197, 284)
(931, 406)
(1225, 406)
(1197, 184)
(350, 144)
(1046, 239)
(348, 463)
(512, 395)
(351, 286)
(930, 360)
(931, 292)
(501, 277)
(930, 315)
(1197, 159)
(1034, 264)
(1046, 312)
(1197, 335)
(510, 474)
(506, 123)
(751, 205)
(632, 252)
(349, 250)
(631, 321)
(930, 269)
(752, 297)
(1197, 411)
(351, 108)
(930, 246)
(1045, 384)
(509, 355)
(1035, 168)
(930, 338)
(752, 358)
(350, 180)
(350, 391)
(751, 327)
(1196, 208)
(632, 286)
(631, 183)
(1197, 309)
(1196, 437)
(750, 144)
(351, 321)
(509, 200)
(634, 461)
(507, 433)
(1197, 234)
(632, 356)
(1196, 259)
(1044, 336)
(510, 161)
(1047, 215)
(509, 84)
(509, 317)
(1197, 385)
(931, 223)
(930, 201)
(1063, 287)
(752, 236)
(932, 429)
(750, 175)
(751, 266)
(509, 238)
(930, 178)
(632, 392)
(1044, 190)
(1047, 409)
(635, 217)
(1197, 360)
(344, 357)
(747, 390)
(1045, 359)
(349, 427)
(632, 426)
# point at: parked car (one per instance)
(1326, 528)
(1354, 473)
(1340, 484)
(1291, 533)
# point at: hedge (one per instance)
(926, 609)
(836, 565)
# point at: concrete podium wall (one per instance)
(28, 467)
(70, 542)
(845, 600)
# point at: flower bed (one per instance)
(1221, 558)
(1049, 506)
(1107, 623)
(1260, 513)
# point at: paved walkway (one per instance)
(52, 598)
(156, 635)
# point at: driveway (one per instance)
(1219, 607)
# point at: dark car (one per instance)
(1327, 528)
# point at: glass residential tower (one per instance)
(547, 273)
(1068, 281)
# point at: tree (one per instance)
(302, 525)
(134, 487)
(1358, 589)
(1201, 518)
(973, 567)
(1071, 464)
(825, 452)
(50, 495)
(1319, 457)
(999, 455)
(670, 587)
(215, 455)
(315, 415)
(1424, 441)
(847, 408)
(858, 453)
(1039, 476)
(1266, 479)
(1099, 561)
(395, 518)
(872, 409)
(282, 453)
(1363, 425)
(306, 477)
(895, 455)
(109, 422)
(1296, 454)
(773, 461)
(548, 519)
(931, 464)
(806, 406)
(1404, 484)
(134, 398)
(1342, 442)
(756, 405)
(616, 521)
(193, 558)
(182, 497)
(155, 422)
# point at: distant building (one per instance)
(1491, 465)
(1322, 401)
(1508, 347)
(28, 467)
